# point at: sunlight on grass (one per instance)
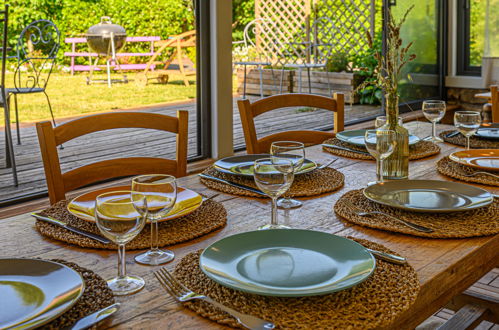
(71, 96)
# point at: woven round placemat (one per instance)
(374, 303)
(314, 183)
(208, 217)
(478, 222)
(96, 296)
(457, 171)
(475, 142)
(420, 150)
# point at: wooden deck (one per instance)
(139, 142)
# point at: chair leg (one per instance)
(299, 80)
(9, 146)
(329, 84)
(260, 69)
(244, 82)
(282, 78)
(61, 147)
(17, 120)
(309, 81)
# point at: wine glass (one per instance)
(295, 152)
(273, 176)
(380, 143)
(161, 194)
(434, 111)
(120, 216)
(467, 123)
(381, 121)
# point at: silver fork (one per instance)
(486, 173)
(404, 222)
(182, 294)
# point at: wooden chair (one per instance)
(494, 96)
(249, 111)
(59, 183)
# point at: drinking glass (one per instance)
(467, 123)
(274, 176)
(295, 152)
(381, 121)
(161, 194)
(434, 111)
(380, 143)
(120, 216)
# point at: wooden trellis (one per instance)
(296, 30)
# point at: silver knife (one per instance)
(89, 320)
(452, 134)
(388, 257)
(230, 183)
(62, 224)
(345, 148)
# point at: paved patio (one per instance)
(139, 142)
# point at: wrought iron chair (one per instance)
(37, 49)
(257, 26)
(9, 149)
(307, 55)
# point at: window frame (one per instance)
(464, 68)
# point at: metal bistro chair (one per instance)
(9, 150)
(37, 49)
(315, 55)
(257, 26)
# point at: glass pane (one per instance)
(419, 79)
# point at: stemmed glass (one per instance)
(434, 111)
(120, 216)
(381, 121)
(380, 143)
(295, 152)
(467, 123)
(273, 176)
(160, 191)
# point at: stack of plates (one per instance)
(428, 195)
(483, 159)
(287, 262)
(356, 137)
(243, 165)
(34, 292)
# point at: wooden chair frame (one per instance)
(248, 111)
(59, 183)
(494, 96)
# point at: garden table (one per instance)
(445, 267)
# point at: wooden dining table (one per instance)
(445, 267)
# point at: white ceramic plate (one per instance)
(287, 262)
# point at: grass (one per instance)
(71, 96)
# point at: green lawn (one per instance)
(71, 96)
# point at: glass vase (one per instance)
(396, 166)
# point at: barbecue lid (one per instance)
(105, 28)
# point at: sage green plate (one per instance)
(357, 137)
(428, 195)
(287, 262)
(34, 292)
(243, 165)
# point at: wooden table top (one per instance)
(445, 266)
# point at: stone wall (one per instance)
(465, 98)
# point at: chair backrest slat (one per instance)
(248, 111)
(59, 183)
(494, 95)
